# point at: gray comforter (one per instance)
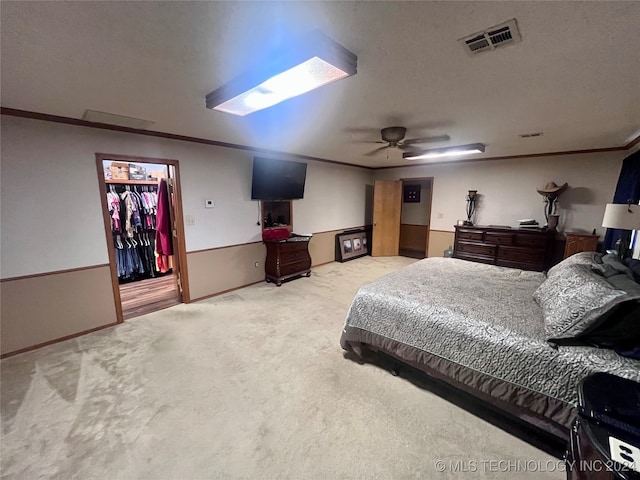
(479, 316)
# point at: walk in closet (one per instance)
(141, 216)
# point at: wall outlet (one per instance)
(208, 204)
(440, 215)
(189, 219)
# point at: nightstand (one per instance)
(580, 242)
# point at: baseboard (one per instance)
(57, 340)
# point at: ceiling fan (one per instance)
(394, 138)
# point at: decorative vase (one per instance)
(552, 223)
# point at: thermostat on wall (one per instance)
(208, 204)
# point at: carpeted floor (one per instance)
(251, 384)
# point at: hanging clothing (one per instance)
(164, 246)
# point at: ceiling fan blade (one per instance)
(375, 150)
(436, 138)
(362, 130)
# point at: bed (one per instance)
(490, 330)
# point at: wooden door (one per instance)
(171, 188)
(387, 203)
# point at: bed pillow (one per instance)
(634, 266)
(592, 259)
(611, 265)
(576, 300)
(619, 330)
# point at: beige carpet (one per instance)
(252, 384)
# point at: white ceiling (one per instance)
(575, 76)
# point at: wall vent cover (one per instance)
(506, 33)
(96, 116)
(530, 135)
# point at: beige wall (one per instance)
(50, 187)
(508, 189)
(40, 309)
(439, 241)
(221, 269)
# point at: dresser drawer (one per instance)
(476, 248)
(286, 247)
(293, 256)
(498, 238)
(292, 268)
(520, 254)
(464, 234)
(531, 241)
(533, 267)
(475, 258)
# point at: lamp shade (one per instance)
(621, 216)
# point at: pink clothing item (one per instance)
(164, 244)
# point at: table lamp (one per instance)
(625, 217)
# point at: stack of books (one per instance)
(528, 223)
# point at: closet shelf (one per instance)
(133, 182)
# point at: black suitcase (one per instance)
(605, 439)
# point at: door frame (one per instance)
(179, 241)
(422, 179)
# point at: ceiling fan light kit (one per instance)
(445, 152)
(305, 65)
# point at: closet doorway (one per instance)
(415, 216)
(142, 211)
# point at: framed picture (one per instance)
(350, 245)
(411, 193)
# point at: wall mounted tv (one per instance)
(277, 179)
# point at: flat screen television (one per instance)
(277, 179)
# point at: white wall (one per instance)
(417, 213)
(508, 189)
(51, 210)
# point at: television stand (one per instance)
(287, 259)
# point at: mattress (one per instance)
(478, 327)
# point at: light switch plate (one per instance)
(625, 454)
(208, 204)
(189, 220)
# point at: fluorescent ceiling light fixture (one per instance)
(445, 152)
(308, 64)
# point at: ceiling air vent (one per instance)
(506, 33)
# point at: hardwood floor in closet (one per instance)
(146, 296)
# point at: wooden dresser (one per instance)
(287, 259)
(580, 242)
(506, 247)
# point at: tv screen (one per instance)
(277, 179)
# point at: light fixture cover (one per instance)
(307, 64)
(445, 152)
(621, 216)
